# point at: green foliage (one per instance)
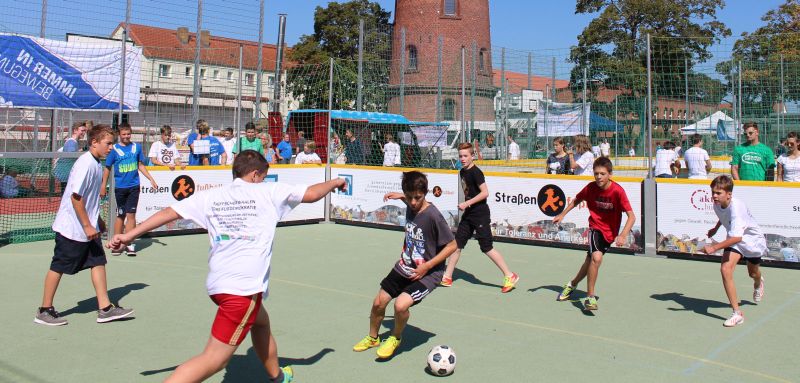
(336, 36)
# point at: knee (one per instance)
(726, 271)
(596, 257)
(401, 308)
(485, 244)
(378, 305)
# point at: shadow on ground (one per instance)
(413, 337)
(697, 305)
(116, 294)
(461, 275)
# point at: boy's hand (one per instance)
(342, 187)
(171, 167)
(102, 225)
(103, 192)
(420, 271)
(621, 241)
(712, 232)
(118, 242)
(558, 219)
(709, 249)
(392, 195)
(463, 206)
(91, 232)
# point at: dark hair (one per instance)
(124, 126)
(791, 135)
(696, 138)
(603, 162)
(414, 181)
(166, 129)
(247, 161)
(249, 125)
(230, 130)
(723, 182)
(750, 125)
(97, 132)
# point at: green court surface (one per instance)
(659, 320)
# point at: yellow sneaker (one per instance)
(288, 374)
(510, 282)
(387, 347)
(367, 343)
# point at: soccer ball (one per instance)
(442, 360)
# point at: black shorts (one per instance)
(395, 284)
(478, 222)
(597, 242)
(127, 200)
(753, 260)
(70, 257)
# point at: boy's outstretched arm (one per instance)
(563, 214)
(425, 267)
(161, 218)
(622, 238)
(318, 191)
(395, 195)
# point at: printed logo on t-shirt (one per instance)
(604, 203)
(551, 200)
(166, 156)
(182, 187)
(413, 248)
(751, 158)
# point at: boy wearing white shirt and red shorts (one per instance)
(241, 220)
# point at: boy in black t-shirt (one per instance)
(428, 242)
(476, 219)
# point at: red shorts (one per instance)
(235, 315)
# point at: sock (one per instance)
(108, 307)
(43, 309)
(279, 378)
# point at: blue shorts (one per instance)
(127, 200)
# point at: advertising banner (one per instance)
(176, 185)
(557, 119)
(41, 73)
(523, 207)
(686, 213)
(363, 201)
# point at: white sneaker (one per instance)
(736, 319)
(131, 250)
(758, 293)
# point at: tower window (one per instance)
(482, 60)
(412, 58)
(449, 110)
(450, 7)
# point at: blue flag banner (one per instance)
(41, 73)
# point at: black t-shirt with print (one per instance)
(471, 180)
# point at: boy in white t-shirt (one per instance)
(241, 220)
(164, 152)
(698, 163)
(78, 226)
(745, 240)
(308, 156)
(391, 152)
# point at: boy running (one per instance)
(428, 243)
(745, 240)
(127, 159)
(606, 201)
(78, 226)
(241, 220)
(476, 219)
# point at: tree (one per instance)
(336, 36)
(760, 54)
(613, 47)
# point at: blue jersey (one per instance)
(125, 159)
(285, 149)
(215, 149)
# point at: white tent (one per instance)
(718, 123)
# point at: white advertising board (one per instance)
(179, 184)
(363, 201)
(686, 213)
(523, 207)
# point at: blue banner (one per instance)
(40, 73)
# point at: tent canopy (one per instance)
(598, 123)
(709, 124)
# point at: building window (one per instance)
(164, 70)
(271, 81)
(482, 60)
(249, 79)
(449, 110)
(412, 58)
(203, 73)
(450, 7)
(216, 75)
(188, 71)
(230, 76)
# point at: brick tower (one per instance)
(459, 23)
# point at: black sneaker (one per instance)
(49, 317)
(114, 313)
(131, 251)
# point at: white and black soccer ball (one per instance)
(442, 360)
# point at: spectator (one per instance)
(490, 140)
(285, 150)
(583, 165)
(698, 163)
(9, 187)
(631, 152)
(781, 149)
(789, 163)
(391, 151)
(667, 163)
(513, 149)
(605, 148)
(300, 145)
(210, 151)
(272, 155)
(249, 141)
(71, 145)
(752, 160)
(788, 252)
(596, 151)
(558, 161)
(336, 151)
(228, 143)
(164, 152)
(353, 150)
(308, 156)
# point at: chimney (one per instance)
(183, 35)
(205, 38)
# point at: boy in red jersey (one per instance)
(606, 201)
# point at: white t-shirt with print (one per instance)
(665, 158)
(84, 180)
(584, 164)
(791, 168)
(695, 158)
(241, 220)
(738, 221)
(164, 153)
(302, 157)
(391, 154)
(513, 151)
(228, 146)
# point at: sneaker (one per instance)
(736, 318)
(49, 317)
(367, 343)
(116, 252)
(446, 282)
(590, 303)
(288, 374)
(509, 282)
(758, 293)
(565, 293)
(131, 251)
(387, 347)
(114, 313)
